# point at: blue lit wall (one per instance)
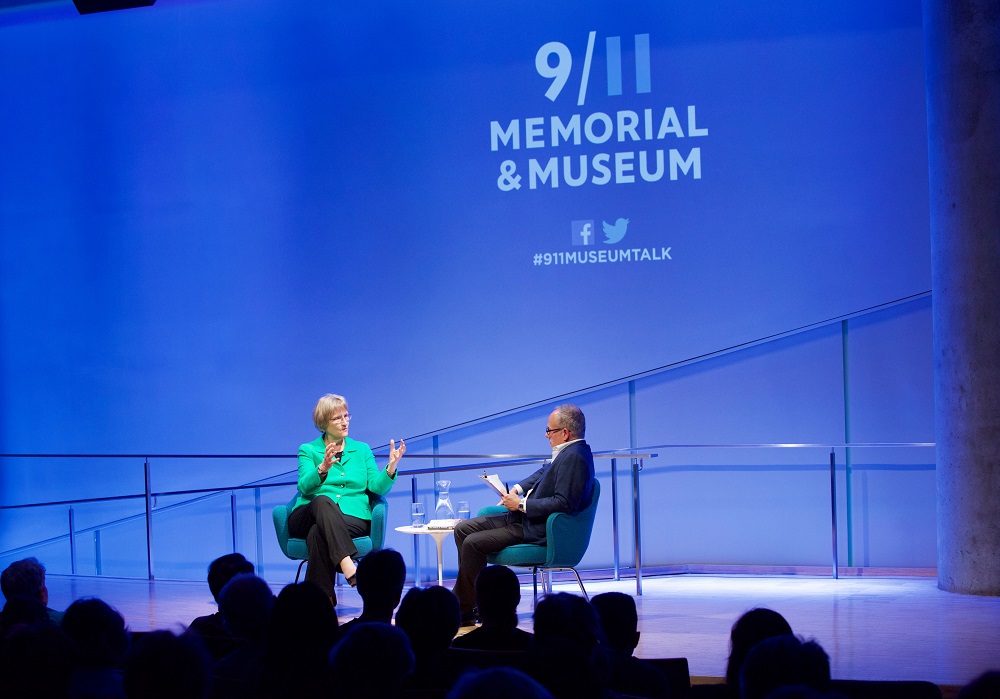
(214, 211)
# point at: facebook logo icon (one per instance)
(583, 232)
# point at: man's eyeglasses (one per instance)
(345, 418)
(550, 430)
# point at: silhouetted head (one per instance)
(799, 691)
(225, 568)
(164, 666)
(381, 575)
(37, 661)
(497, 683)
(565, 656)
(567, 619)
(302, 622)
(749, 630)
(246, 603)
(986, 686)
(99, 631)
(498, 593)
(430, 617)
(25, 578)
(303, 630)
(784, 661)
(373, 659)
(619, 620)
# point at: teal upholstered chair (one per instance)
(296, 548)
(566, 539)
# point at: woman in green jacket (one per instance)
(335, 475)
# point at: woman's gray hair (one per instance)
(325, 408)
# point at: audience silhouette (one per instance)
(566, 655)
(751, 628)
(37, 661)
(430, 618)
(986, 686)
(102, 639)
(162, 665)
(302, 631)
(380, 578)
(498, 593)
(784, 661)
(211, 627)
(620, 623)
(26, 578)
(497, 683)
(246, 603)
(288, 646)
(22, 610)
(371, 661)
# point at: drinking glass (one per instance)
(417, 514)
(463, 509)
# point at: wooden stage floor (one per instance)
(872, 628)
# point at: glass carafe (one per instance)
(443, 509)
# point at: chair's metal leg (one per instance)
(299, 571)
(580, 581)
(534, 580)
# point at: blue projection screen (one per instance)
(215, 211)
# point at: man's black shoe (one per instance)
(470, 618)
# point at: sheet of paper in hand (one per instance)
(493, 481)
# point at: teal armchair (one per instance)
(567, 537)
(296, 550)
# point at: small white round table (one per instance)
(439, 536)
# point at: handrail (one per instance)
(794, 445)
(507, 460)
(608, 453)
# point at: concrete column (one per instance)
(962, 60)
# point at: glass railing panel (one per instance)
(26, 529)
(189, 534)
(217, 473)
(41, 532)
(712, 505)
(115, 548)
(893, 508)
(730, 506)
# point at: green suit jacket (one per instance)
(347, 482)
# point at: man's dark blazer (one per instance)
(564, 485)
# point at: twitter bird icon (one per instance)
(614, 233)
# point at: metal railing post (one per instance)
(636, 524)
(416, 539)
(614, 515)
(833, 512)
(149, 519)
(260, 533)
(97, 551)
(232, 516)
(72, 542)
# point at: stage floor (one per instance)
(872, 628)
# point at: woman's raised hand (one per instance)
(395, 455)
